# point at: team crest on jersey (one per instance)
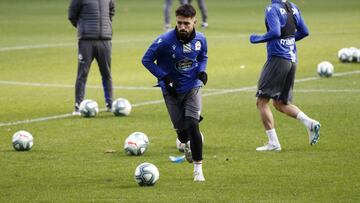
(283, 11)
(184, 65)
(197, 46)
(187, 48)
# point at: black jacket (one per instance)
(92, 18)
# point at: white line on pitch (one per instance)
(34, 84)
(69, 44)
(221, 92)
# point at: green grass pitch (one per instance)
(68, 164)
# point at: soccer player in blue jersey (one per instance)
(178, 60)
(285, 25)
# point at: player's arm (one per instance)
(112, 9)
(73, 11)
(202, 60)
(202, 57)
(301, 29)
(274, 25)
(151, 56)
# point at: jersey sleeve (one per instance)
(151, 55)
(112, 9)
(203, 58)
(274, 26)
(301, 29)
(73, 11)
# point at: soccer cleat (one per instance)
(204, 25)
(167, 27)
(187, 152)
(198, 177)
(76, 113)
(108, 107)
(268, 147)
(314, 133)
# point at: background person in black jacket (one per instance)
(93, 19)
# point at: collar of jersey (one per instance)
(187, 40)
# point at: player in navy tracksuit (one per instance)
(93, 20)
(284, 25)
(181, 58)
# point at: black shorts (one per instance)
(277, 80)
(184, 105)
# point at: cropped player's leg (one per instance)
(167, 9)
(192, 117)
(196, 147)
(85, 57)
(103, 58)
(268, 123)
(204, 13)
(284, 105)
(177, 116)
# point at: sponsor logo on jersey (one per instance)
(288, 41)
(187, 48)
(295, 11)
(184, 65)
(159, 41)
(197, 46)
(283, 11)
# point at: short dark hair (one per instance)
(186, 10)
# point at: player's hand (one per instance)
(253, 38)
(203, 77)
(170, 85)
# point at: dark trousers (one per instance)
(101, 51)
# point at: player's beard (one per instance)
(184, 34)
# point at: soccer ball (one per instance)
(22, 141)
(146, 174)
(121, 107)
(88, 108)
(325, 69)
(345, 55)
(355, 54)
(136, 143)
(181, 146)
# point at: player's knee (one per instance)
(278, 105)
(191, 122)
(183, 136)
(261, 103)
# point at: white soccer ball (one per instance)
(146, 174)
(22, 141)
(181, 146)
(355, 54)
(325, 69)
(345, 55)
(89, 108)
(136, 143)
(121, 107)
